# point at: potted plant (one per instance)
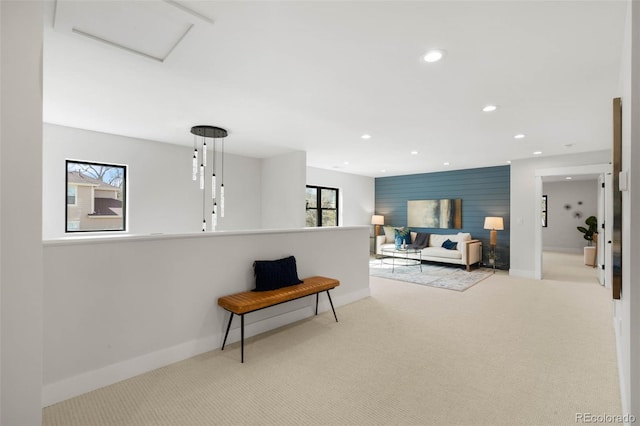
(591, 231)
(492, 256)
(590, 234)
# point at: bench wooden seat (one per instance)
(251, 301)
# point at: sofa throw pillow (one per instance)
(463, 236)
(449, 245)
(421, 241)
(273, 274)
(403, 235)
(389, 233)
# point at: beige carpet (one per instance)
(567, 267)
(505, 352)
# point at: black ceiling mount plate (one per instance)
(209, 131)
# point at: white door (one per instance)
(602, 235)
(605, 222)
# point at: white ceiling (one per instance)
(316, 75)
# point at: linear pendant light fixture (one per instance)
(214, 133)
(195, 159)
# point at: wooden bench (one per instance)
(251, 301)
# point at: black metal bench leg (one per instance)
(317, 296)
(227, 333)
(334, 311)
(242, 338)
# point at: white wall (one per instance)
(20, 214)
(627, 309)
(284, 180)
(162, 196)
(357, 194)
(561, 233)
(630, 257)
(159, 305)
(243, 195)
(524, 220)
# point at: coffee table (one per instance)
(401, 254)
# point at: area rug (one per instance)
(447, 277)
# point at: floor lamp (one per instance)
(376, 220)
(494, 224)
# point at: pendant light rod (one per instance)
(222, 168)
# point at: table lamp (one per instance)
(494, 224)
(377, 220)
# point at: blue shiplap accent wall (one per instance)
(484, 192)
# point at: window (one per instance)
(72, 191)
(544, 211)
(322, 206)
(96, 197)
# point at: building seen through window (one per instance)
(322, 206)
(96, 197)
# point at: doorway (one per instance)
(573, 215)
(569, 202)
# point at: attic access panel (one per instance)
(150, 29)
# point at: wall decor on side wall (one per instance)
(616, 248)
(443, 214)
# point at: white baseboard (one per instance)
(113, 373)
(77, 385)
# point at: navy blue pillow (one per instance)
(273, 274)
(450, 245)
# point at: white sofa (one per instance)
(468, 251)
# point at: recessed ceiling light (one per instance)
(508, 161)
(414, 152)
(568, 178)
(519, 136)
(489, 108)
(383, 170)
(366, 136)
(346, 163)
(446, 163)
(537, 153)
(433, 55)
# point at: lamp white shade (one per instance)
(377, 219)
(493, 223)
